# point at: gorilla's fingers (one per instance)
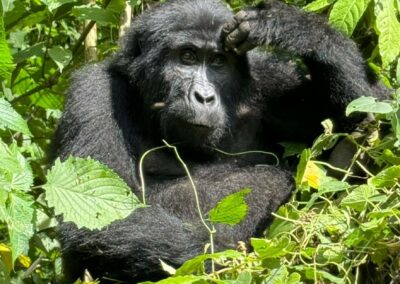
(244, 47)
(238, 36)
(228, 27)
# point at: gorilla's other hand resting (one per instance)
(187, 73)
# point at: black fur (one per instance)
(173, 80)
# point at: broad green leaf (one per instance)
(368, 104)
(196, 264)
(11, 119)
(135, 3)
(329, 185)
(20, 222)
(60, 56)
(388, 27)
(318, 5)
(386, 178)
(6, 61)
(101, 16)
(54, 4)
(359, 198)
(35, 50)
(271, 248)
(231, 210)
(281, 276)
(32, 19)
(48, 100)
(188, 279)
(244, 278)
(116, 6)
(15, 171)
(292, 148)
(345, 14)
(314, 274)
(88, 193)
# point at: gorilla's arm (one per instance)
(334, 63)
(170, 228)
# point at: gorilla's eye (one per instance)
(218, 60)
(188, 57)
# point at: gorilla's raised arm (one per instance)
(333, 60)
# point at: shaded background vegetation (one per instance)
(330, 232)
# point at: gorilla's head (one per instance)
(190, 85)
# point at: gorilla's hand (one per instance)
(251, 27)
(237, 34)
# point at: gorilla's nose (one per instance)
(203, 98)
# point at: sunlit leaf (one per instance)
(368, 104)
(345, 14)
(388, 27)
(60, 56)
(88, 193)
(230, 210)
(11, 119)
(6, 61)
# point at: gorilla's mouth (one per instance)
(189, 132)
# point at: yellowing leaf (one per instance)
(25, 261)
(5, 256)
(313, 175)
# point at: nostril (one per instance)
(210, 100)
(204, 100)
(199, 98)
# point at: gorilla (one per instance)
(191, 73)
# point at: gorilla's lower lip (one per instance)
(199, 125)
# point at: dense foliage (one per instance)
(332, 231)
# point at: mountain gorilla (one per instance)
(187, 73)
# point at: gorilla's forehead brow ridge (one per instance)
(205, 39)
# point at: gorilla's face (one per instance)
(201, 92)
(197, 106)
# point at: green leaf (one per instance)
(318, 5)
(189, 279)
(20, 222)
(54, 4)
(301, 167)
(359, 198)
(60, 56)
(32, 19)
(48, 100)
(15, 171)
(281, 276)
(11, 119)
(6, 61)
(231, 210)
(386, 178)
(88, 193)
(196, 264)
(368, 104)
(4, 273)
(101, 16)
(135, 3)
(345, 14)
(35, 50)
(271, 248)
(388, 27)
(6, 6)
